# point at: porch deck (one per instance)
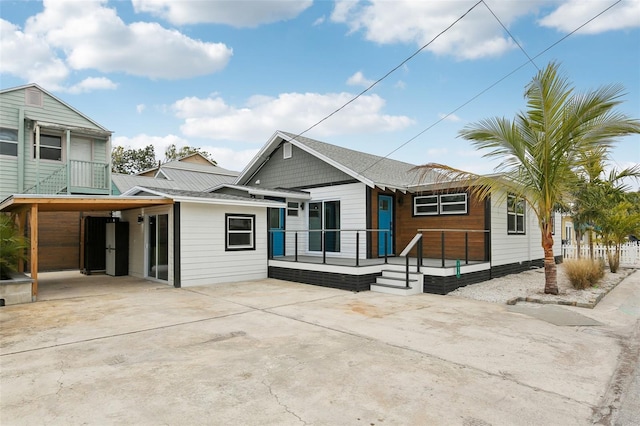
(343, 273)
(391, 260)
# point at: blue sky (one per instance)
(225, 75)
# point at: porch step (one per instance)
(394, 282)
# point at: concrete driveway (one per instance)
(126, 351)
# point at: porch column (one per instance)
(37, 157)
(33, 223)
(68, 135)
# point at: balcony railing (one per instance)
(78, 176)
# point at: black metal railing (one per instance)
(348, 243)
(433, 234)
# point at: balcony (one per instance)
(76, 177)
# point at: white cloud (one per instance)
(212, 118)
(400, 84)
(160, 143)
(227, 158)
(573, 13)
(449, 117)
(319, 21)
(358, 79)
(247, 13)
(88, 35)
(140, 108)
(92, 83)
(477, 35)
(31, 57)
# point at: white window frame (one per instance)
(453, 203)
(50, 135)
(431, 204)
(9, 142)
(514, 212)
(229, 232)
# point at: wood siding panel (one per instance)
(58, 241)
(406, 226)
(204, 259)
(300, 171)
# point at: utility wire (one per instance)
(510, 35)
(490, 87)
(390, 72)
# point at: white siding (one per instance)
(353, 215)
(203, 256)
(510, 248)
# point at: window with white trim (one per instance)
(50, 148)
(453, 203)
(240, 232)
(443, 204)
(515, 215)
(425, 205)
(8, 142)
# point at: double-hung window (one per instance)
(240, 232)
(50, 148)
(8, 142)
(515, 215)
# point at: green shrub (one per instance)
(584, 273)
(12, 246)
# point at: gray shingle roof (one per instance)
(380, 170)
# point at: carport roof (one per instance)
(53, 203)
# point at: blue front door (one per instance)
(276, 231)
(385, 224)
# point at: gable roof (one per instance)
(372, 170)
(34, 85)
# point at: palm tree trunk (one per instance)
(550, 271)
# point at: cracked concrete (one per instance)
(274, 352)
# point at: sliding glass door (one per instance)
(158, 247)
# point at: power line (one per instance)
(390, 72)
(444, 117)
(510, 35)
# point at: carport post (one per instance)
(33, 223)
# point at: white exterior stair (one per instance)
(394, 282)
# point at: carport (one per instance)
(25, 207)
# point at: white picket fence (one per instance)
(629, 253)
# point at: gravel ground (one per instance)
(531, 284)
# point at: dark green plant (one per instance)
(13, 246)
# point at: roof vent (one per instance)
(33, 97)
(286, 150)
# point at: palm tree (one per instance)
(542, 149)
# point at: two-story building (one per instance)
(49, 147)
